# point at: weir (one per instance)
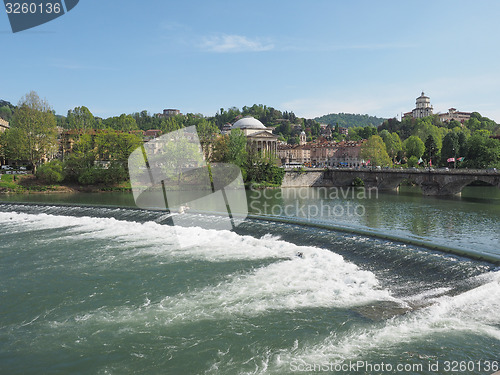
(432, 182)
(469, 253)
(141, 215)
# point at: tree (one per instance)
(261, 167)
(430, 148)
(5, 113)
(374, 150)
(4, 147)
(425, 128)
(237, 148)
(80, 118)
(413, 146)
(51, 172)
(33, 134)
(207, 131)
(116, 146)
(392, 143)
(450, 147)
(367, 132)
(81, 159)
(231, 148)
(482, 152)
(123, 122)
(462, 144)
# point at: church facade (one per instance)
(259, 138)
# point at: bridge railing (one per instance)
(462, 171)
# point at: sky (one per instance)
(311, 57)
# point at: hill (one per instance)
(6, 109)
(4, 103)
(348, 120)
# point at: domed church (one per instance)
(258, 136)
(423, 107)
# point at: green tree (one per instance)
(431, 148)
(80, 118)
(392, 143)
(367, 132)
(425, 128)
(207, 132)
(123, 122)
(237, 148)
(231, 148)
(5, 113)
(262, 168)
(51, 172)
(33, 134)
(171, 124)
(4, 147)
(413, 146)
(117, 146)
(412, 161)
(450, 147)
(482, 152)
(375, 151)
(462, 143)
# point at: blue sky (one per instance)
(311, 57)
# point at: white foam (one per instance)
(320, 278)
(474, 312)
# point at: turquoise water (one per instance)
(109, 290)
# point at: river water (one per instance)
(90, 284)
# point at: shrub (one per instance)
(51, 172)
(413, 161)
(76, 165)
(358, 182)
(90, 176)
(98, 175)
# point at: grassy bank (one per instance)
(26, 184)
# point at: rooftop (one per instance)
(248, 123)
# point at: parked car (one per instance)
(7, 167)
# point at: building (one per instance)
(294, 154)
(344, 131)
(169, 113)
(302, 138)
(453, 114)
(151, 134)
(258, 136)
(4, 125)
(423, 107)
(226, 129)
(347, 154)
(322, 153)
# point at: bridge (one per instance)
(432, 182)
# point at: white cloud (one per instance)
(234, 43)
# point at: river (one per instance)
(90, 284)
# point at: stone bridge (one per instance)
(432, 182)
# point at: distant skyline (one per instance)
(312, 58)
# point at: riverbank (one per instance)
(29, 184)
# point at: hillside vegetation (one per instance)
(348, 120)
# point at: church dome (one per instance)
(423, 97)
(248, 123)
